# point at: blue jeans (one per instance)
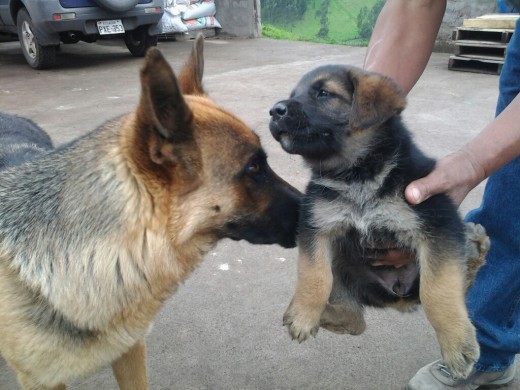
(494, 299)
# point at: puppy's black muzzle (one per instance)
(279, 110)
(286, 116)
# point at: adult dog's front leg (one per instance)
(313, 288)
(130, 368)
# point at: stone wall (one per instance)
(456, 12)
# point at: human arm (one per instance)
(458, 173)
(403, 39)
(400, 47)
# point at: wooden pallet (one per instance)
(481, 43)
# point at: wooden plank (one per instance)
(474, 65)
(482, 34)
(466, 42)
(485, 29)
(480, 50)
(481, 57)
(492, 21)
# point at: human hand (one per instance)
(456, 175)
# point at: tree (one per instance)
(366, 19)
(282, 11)
(322, 13)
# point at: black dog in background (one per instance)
(20, 140)
(346, 124)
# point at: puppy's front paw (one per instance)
(301, 323)
(461, 352)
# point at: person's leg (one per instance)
(494, 299)
(509, 83)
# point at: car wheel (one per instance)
(36, 55)
(138, 41)
(117, 5)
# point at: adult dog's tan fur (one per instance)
(96, 235)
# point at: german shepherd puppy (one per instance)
(97, 234)
(345, 122)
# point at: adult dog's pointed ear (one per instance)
(376, 98)
(190, 77)
(163, 118)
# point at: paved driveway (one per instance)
(223, 328)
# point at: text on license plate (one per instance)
(110, 27)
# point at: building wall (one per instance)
(239, 18)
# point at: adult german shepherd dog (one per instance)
(97, 234)
(345, 122)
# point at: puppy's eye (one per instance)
(323, 93)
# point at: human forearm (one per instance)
(458, 173)
(403, 39)
(499, 142)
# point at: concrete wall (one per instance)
(239, 18)
(456, 12)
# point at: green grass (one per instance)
(342, 24)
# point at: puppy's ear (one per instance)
(163, 119)
(375, 99)
(190, 78)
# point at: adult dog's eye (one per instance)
(323, 93)
(254, 168)
(257, 168)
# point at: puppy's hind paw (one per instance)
(337, 319)
(477, 247)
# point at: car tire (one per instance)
(139, 41)
(36, 55)
(117, 5)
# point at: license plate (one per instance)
(106, 27)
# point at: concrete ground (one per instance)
(223, 328)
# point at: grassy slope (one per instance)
(342, 23)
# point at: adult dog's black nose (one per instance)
(279, 110)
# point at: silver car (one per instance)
(41, 25)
